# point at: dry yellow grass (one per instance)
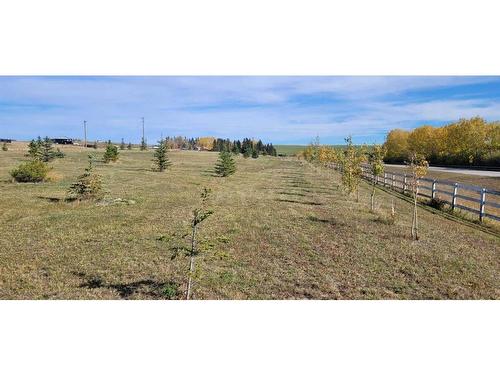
(281, 230)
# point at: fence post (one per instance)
(481, 204)
(433, 194)
(385, 178)
(392, 184)
(404, 184)
(454, 198)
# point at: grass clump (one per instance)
(31, 171)
(88, 186)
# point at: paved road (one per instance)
(472, 172)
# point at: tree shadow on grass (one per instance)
(315, 219)
(148, 288)
(57, 200)
(299, 202)
(209, 173)
(292, 193)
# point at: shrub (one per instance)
(30, 171)
(4, 147)
(59, 154)
(438, 204)
(88, 185)
(225, 165)
(170, 290)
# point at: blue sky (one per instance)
(278, 109)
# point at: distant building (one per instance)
(4, 140)
(62, 141)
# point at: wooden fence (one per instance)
(485, 203)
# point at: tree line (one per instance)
(471, 141)
(350, 159)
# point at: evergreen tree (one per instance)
(161, 160)
(47, 150)
(129, 146)
(95, 145)
(122, 145)
(225, 164)
(35, 149)
(255, 154)
(247, 153)
(111, 153)
(4, 147)
(88, 185)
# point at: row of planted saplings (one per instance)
(350, 162)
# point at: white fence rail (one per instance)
(485, 203)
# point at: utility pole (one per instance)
(143, 129)
(85, 133)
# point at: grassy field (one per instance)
(289, 150)
(281, 230)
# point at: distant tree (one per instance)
(129, 146)
(255, 154)
(396, 145)
(247, 153)
(376, 161)
(144, 145)
(94, 146)
(225, 164)
(59, 154)
(88, 185)
(161, 160)
(417, 166)
(4, 147)
(122, 145)
(111, 153)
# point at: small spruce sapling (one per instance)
(255, 154)
(35, 149)
(111, 153)
(225, 164)
(122, 145)
(129, 146)
(4, 147)
(417, 166)
(88, 185)
(47, 150)
(161, 160)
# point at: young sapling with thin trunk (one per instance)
(417, 166)
(376, 161)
